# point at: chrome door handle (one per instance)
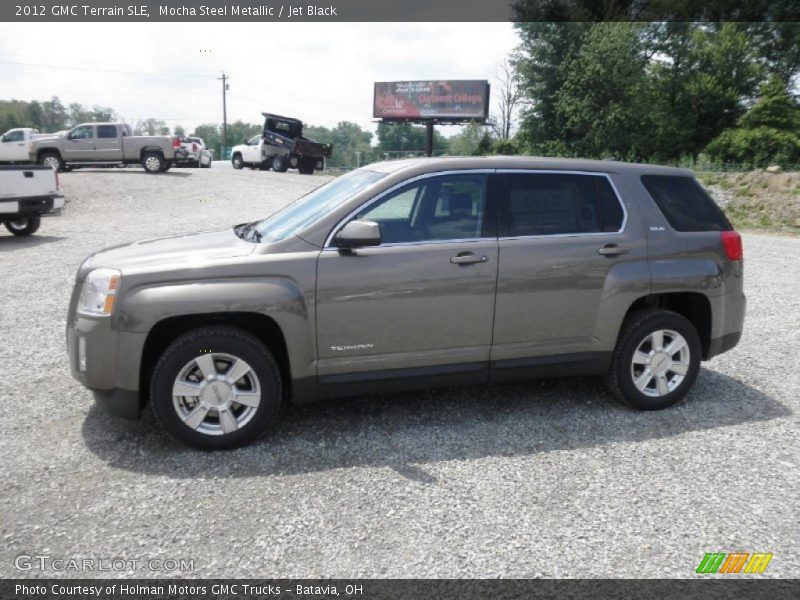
(468, 258)
(612, 250)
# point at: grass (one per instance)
(758, 201)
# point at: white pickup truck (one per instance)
(14, 144)
(26, 194)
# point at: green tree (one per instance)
(404, 137)
(539, 63)
(78, 113)
(54, 115)
(768, 133)
(210, 134)
(151, 127)
(775, 108)
(647, 91)
(473, 140)
(602, 102)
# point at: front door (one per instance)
(252, 151)
(79, 145)
(418, 307)
(13, 147)
(560, 235)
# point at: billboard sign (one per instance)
(455, 100)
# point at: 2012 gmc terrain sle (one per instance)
(411, 274)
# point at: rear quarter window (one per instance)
(685, 204)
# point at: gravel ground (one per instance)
(546, 479)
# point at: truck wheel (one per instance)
(237, 162)
(215, 388)
(153, 162)
(656, 360)
(306, 166)
(52, 160)
(279, 163)
(24, 226)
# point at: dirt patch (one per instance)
(757, 199)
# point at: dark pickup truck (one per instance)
(282, 146)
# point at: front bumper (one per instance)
(107, 362)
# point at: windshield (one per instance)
(314, 205)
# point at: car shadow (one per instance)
(14, 242)
(132, 171)
(405, 432)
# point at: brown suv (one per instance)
(410, 274)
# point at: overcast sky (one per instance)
(320, 73)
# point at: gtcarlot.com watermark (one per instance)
(61, 564)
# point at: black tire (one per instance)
(279, 163)
(237, 162)
(264, 166)
(52, 158)
(24, 226)
(202, 166)
(153, 162)
(306, 166)
(637, 327)
(167, 166)
(218, 339)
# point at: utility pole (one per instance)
(224, 80)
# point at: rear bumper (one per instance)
(14, 208)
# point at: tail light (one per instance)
(194, 147)
(176, 142)
(732, 242)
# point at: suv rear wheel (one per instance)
(656, 360)
(215, 388)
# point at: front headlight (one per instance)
(99, 292)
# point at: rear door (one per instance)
(560, 233)
(420, 305)
(108, 145)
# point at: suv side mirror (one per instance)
(357, 234)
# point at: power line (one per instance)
(101, 70)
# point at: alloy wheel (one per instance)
(216, 393)
(660, 363)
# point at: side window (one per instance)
(254, 141)
(685, 204)
(14, 136)
(106, 131)
(449, 207)
(556, 203)
(82, 133)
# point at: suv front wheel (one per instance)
(656, 360)
(215, 388)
